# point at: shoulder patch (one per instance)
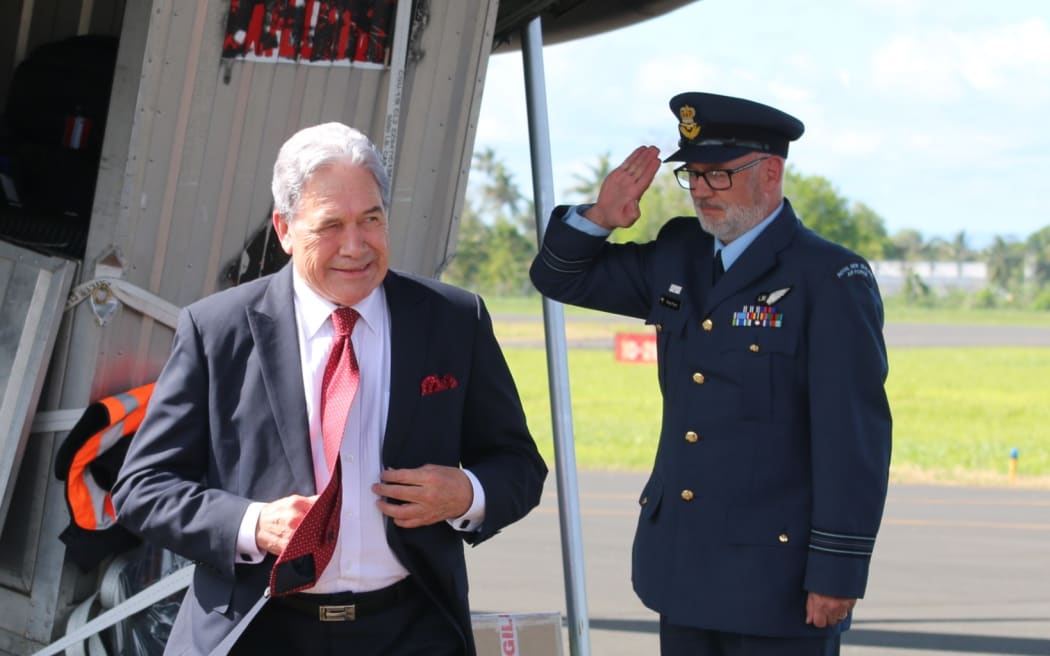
(857, 270)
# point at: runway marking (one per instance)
(1020, 526)
(969, 502)
(968, 524)
(891, 499)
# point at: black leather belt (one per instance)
(346, 606)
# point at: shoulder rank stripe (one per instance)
(841, 543)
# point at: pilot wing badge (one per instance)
(770, 298)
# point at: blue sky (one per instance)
(934, 113)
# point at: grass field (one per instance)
(957, 412)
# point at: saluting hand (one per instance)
(279, 519)
(427, 495)
(617, 204)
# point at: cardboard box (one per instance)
(521, 634)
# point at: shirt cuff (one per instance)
(248, 550)
(575, 218)
(475, 515)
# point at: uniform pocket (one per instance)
(764, 362)
(649, 500)
(669, 325)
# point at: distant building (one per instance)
(939, 276)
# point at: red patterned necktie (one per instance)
(313, 543)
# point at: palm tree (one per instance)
(1003, 261)
(499, 191)
(587, 186)
(960, 251)
(1038, 247)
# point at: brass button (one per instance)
(754, 348)
(707, 325)
(698, 378)
(783, 537)
(687, 495)
(659, 327)
(644, 501)
(692, 437)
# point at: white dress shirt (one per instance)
(363, 560)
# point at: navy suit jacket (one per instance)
(227, 425)
(771, 471)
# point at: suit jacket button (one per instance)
(687, 495)
(698, 378)
(643, 501)
(783, 537)
(659, 327)
(692, 437)
(707, 325)
(754, 348)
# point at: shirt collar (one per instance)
(735, 248)
(314, 309)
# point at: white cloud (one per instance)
(896, 8)
(914, 107)
(789, 95)
(503, 115)
(944, 65)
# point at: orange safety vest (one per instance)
(104, 428)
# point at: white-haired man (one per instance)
(330, 435)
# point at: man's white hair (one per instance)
(314, 147)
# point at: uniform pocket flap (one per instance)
(786, 526)
(649, 499)
(760, 341)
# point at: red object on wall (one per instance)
(310, 31)
(635, 347)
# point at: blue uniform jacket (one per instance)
(771, 471)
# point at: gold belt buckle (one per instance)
(337, 613)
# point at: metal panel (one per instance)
(196, 174)
(439, 113)
(34, 291)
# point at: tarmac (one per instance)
(957, 570)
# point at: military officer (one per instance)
(757, 524)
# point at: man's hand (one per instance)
(617, 204)
(824, 610)
(427, 495)
(279, 519)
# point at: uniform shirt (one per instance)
(365, 560)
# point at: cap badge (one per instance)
(687, 126)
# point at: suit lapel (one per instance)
(409, 341)
(756, 260)
(273, 327)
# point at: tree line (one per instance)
(497, 236)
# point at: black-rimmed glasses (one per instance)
(718, 179)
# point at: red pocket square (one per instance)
(434, 383)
